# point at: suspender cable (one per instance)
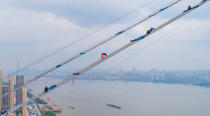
(79, 39)
(93, 47)
(53, 87)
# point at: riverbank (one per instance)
(45, 107)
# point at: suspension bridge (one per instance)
(130, 43)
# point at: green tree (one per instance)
(47, 113)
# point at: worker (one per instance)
(148, 32)
(46, 89)
(189, 7)
(103, 55)
(151, 29)
(3, 111)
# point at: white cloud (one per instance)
(27, 31)
(182, 45)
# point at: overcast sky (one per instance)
(31, 29)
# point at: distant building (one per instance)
(163, 74)
(153, 77)
(19, 84)
(5, 99)
(8, 100)
(24, 98)
(11, 93)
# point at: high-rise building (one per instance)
(24, 98)
(8, 100)
(11, 92)
(19, 84)
(5, 99)
(0, 88)
(153, 76)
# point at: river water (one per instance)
(90, 98)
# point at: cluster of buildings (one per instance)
(14, 93)
(198, 77)
(9, 98)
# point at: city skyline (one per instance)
(9, 97)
